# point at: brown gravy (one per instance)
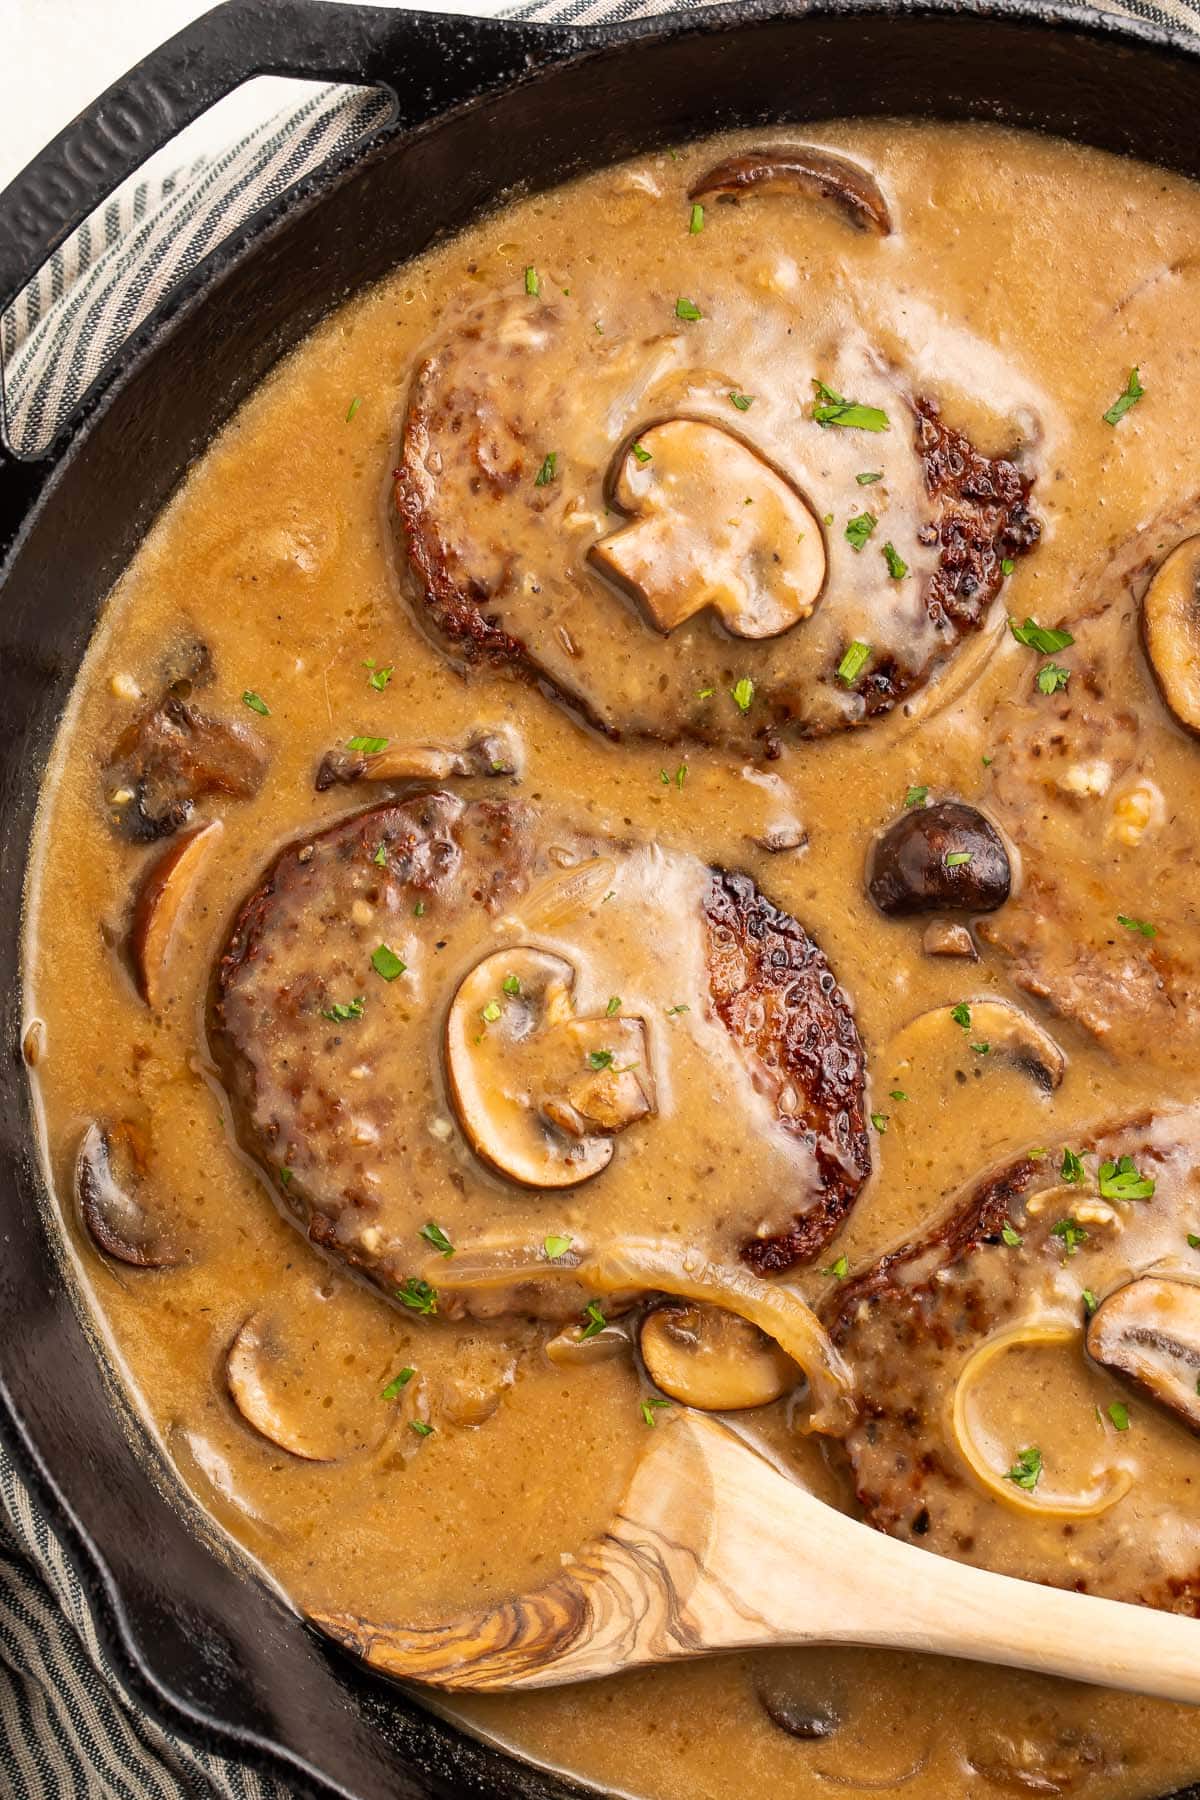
(279, 553)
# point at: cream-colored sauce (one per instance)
(279, 552)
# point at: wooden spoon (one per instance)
(714, 1549)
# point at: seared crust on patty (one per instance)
(1022, 1248)
(327, 1065)
(497, 538)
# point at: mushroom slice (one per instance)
(275, 1395)
(800, 169)
(1171, 632)
(706, 1357)
(109, 1165)
(161, 899)
(715, 525)
(1149, 1331)
(491, 753)
(991, 1030)
(540, 1093)
(944, 857)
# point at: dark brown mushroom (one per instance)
(941, 858)
(789, 1702)
(110, 1165)
(169, 757)
(491, 753)
(162, 897)
(695, 542)
(1149, 1332)
(800, 169)
(1171, 632)
(706, 1357)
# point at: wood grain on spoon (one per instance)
(713, 1549)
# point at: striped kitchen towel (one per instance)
(68, 1731)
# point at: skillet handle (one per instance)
(441, 58)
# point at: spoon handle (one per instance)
(714, 1549)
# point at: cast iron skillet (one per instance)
(480, 106)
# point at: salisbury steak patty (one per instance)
(460, 1014)
(675, 567)
(1051, 1466)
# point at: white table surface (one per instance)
(56, 55)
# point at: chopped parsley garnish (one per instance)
(705, 693)
(897, 1094)
(511, 984)
(853, 662)
(869, 477)
(1118, 1412)
(1007, 565)
(614, 1005)
(650, 1407)
(256, 703)
(958, 859)
(353, 408)
(880, 1122)
(600, 1059)
(380, 856)
(743, 693)
(1090, 1302)
(379, 677)
(286, 1175)
(341, 1010)
(1051, 679)
(743, 402)
(696, 222)
(1040, 637)
(916, 796)
(687, 309)
(595, 1320)
(532, 284)
(396, 1386)
(961, 1014)
(1072, 1234)
(546, 473)
(643, 455)
(859, 529)
(366, 746)
(418, 1294)
(839, 1269)
(385, 962)
(1193, 1237)
(1071, 1168)
(419, 910)
(1132, 393)
(831, 409)
(433, 1234)
(1141, 926)
(1027, 1470)
(981, 1049)
(672, 1010)
(1121, 1181)
(1010, 1235)
(556, 1246)
(896, 565)
(491, 1012)
(420, 1427)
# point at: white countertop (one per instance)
(57, 55)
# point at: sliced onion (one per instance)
(1063, 1506)
(642, 1265)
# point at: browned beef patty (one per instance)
(1093, 763)
(498, 540)
(758, 1144)
(1020, 1262)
